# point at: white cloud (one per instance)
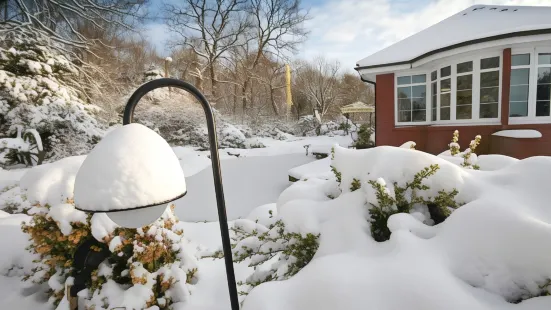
(350, 30)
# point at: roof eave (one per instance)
(454, 46)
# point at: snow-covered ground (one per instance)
(494, 249)
(253, 179)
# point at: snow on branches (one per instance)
(38, 90)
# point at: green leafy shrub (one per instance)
(400, 202)
(260, 244)
(364, 137)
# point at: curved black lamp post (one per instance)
(213, 141)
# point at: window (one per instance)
(489, 87)
(434, 94)
(520, 85)
(464, 93)
(543, 94)
(445, 93)
(412, 98)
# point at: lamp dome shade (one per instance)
(130, 169)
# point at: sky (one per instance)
(349, 30)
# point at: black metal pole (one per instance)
(213, 140)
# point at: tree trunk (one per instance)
(213, 82)
(274, 105)
(234, 108)
(244, 95)
(6, 10)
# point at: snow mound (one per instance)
(519, 133)
(491, 252)
(131, 167)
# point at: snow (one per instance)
(51, 183)
(64, 215)
(469, 24)
(131, 167)
(518, 133)
(494, 248)
(168, 59)
(316, 169)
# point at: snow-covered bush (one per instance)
(231, 137)
(261, 244)
(306, 126)
(38, 89)
(157, 95)
(364, 137)
(403, 199)
(147, 267)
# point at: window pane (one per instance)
(419, 103)
(544, 58)
(465, 82)
(519, 93)
(433, 75)
(404, 116)
(489, 95)
(404, 80)
(520, 60)
(422, 78)
(445, 85)
(489, 79)
(445, 114)
(464, 97)
(445, 100)
(404, 92)
(544, 92)
(489, 63)
(446, 71)
(488, 110)
(518, 109)
(464, 112)
(542, 108)
(433, 88)
(465, 67)
(419, 115)
(419, 91)
(544, 75)
(520, 76)
(404, 104)
(433, 116)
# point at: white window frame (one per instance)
(531, 84)
(427, 100)
(475, 120)
(533, 88)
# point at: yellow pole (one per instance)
(288, 89)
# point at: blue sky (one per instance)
(349, 30)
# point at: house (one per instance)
(485, 70)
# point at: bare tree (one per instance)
(276, 28)
(319, 81)
(59, 19)
(209, 27)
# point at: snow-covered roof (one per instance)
(357, 106)
(476, 23)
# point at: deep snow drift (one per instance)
(494, 248)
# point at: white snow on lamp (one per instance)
(132, 174)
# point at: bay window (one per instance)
(461, 91)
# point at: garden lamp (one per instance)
(132, 174)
